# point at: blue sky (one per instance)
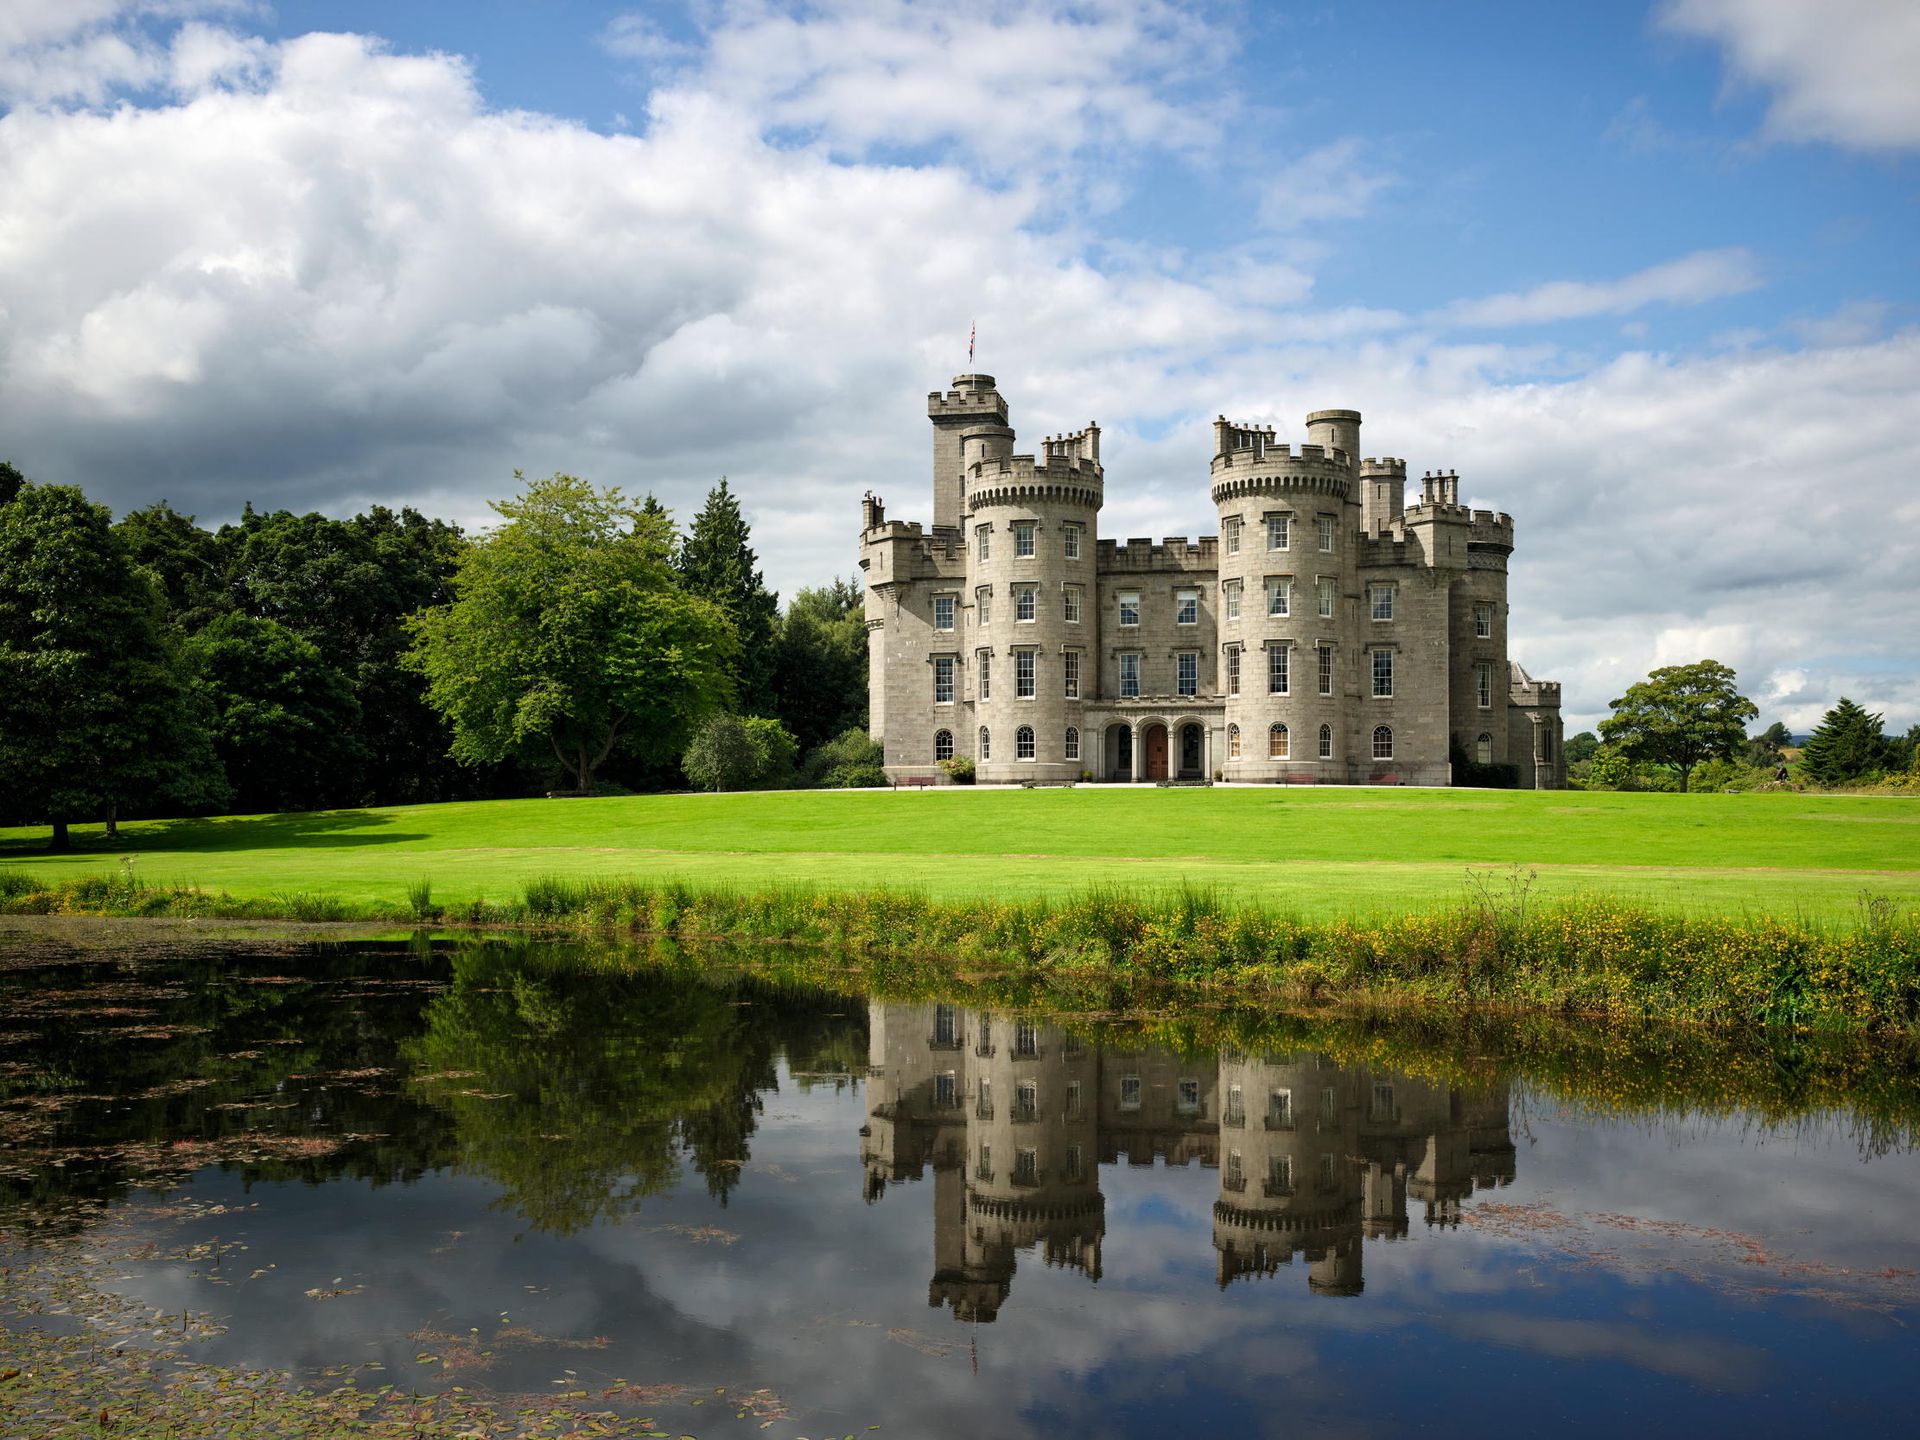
(1644, 274)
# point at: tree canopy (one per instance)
(1847, 745)
(95, 718)
(568, 632)
(1680, 715)
(716, 561)
(820, 662)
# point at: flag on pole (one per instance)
(971, 329)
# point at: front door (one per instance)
(1156, 752)
(1189, 750)
(1120, 747)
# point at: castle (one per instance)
(1015, 1117)
(1329, 632)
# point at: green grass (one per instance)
(1360, 853)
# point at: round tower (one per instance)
(1030, 535)
(1288, 524)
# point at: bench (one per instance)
(1302, 779)
(915, 782)
(1383, 777)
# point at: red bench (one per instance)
(915, 782)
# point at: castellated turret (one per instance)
(1330, 633)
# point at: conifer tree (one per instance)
(717, 563)
(1847, 746)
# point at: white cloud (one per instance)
(1690, 280)
(1841, 70)
(1333, 182)
(88, 50)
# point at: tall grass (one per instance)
(1499, 947)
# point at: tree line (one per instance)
(1684, 727)
(150, 666)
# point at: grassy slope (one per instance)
(1320, 852)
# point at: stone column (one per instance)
(1135, 730)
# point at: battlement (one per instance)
(1080, 445)
(1491, 527)
(1386, 466)
(1175, 552)
(971, 395)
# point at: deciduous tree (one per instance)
(1680, 715)
(568, 634)
(820, 662)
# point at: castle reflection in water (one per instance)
(1014, 1119)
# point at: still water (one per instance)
(501, 1170)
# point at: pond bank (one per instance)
(1501, 947)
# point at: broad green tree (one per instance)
(1764, 749)
(183, 557)
(286, 724)
(95, 719)
(1581, 747)
(1680, 715)
(11, 482)
(716, 561)
(1847, 745)
(820, 662)
(568, 634)
(729, 752)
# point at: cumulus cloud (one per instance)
(85, 51)
(1690, 280)
(1841, 71)
(1333, 182)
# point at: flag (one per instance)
(971, 329)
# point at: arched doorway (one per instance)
(1192, 755)
(1154, 743)
(1118, 752)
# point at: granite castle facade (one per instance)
(1327, 632)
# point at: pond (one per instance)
(724, 1204)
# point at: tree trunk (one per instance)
(113, 822)
(583, 771)
(61, 840)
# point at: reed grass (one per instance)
(1499, 946)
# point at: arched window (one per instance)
(1277, 743)
(943, 745)
(986, 744)
(1483, 749)
(1023, 743)
(1233, 742)
(1326, 742)
(1073, 742)
(1546, 743)
(1382, 742)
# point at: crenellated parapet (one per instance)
(1016, 479)
(972, 396)
(1275, 469)
(1175, 552)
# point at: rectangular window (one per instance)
(1326, 1170)
(1026, 1166)
(985, 662)
(983, 606)
(983, 1098)
(1129, 1092)
(1070, 541)
(1233, 670)
(943, 680)
(1186, 607)
(1279, 531)
(1070, 604)
(1070, 671)
(1382, 674)
(1232, 533)
(1026, 1101)
(1190, 1096)
(1073, 1099)
(1026, 1039)
(1483, 685)
(1023, 537)
(1483, 621)
(1382, 1101)
(1277, 670)
(1382, 596)
(1279, 595)
(982, 546)
(1280, 1109)
(1076, 1163)
(1026, 601)
(1129, 607)
(1129, 676)
(943, 612)
(1325, 588)
(1235, 1177)
(1189, 672)
(1231, 590)
(1324, 524)
(1325, 658)
(946, 1026)
(946, 1094)
(1279, 1175)
(983, 1167)
(1236, 1112)
(1023, 674)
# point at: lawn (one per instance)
(1321, 853)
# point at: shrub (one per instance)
(730, 752)
(959, 769)
(851, 760)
